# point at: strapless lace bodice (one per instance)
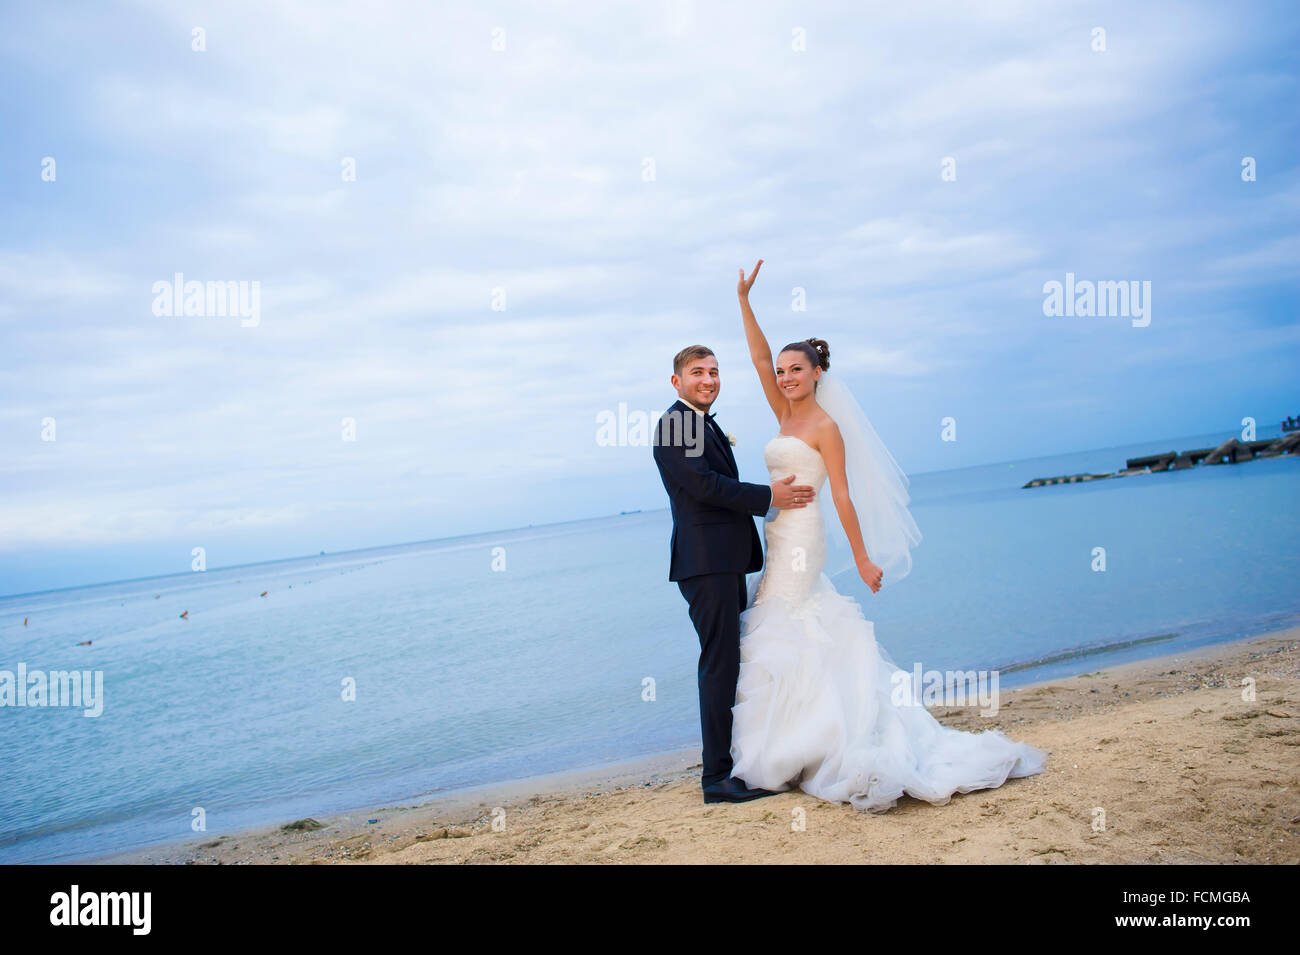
(796, 538)
(785, 455)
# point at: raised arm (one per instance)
(831, 446)
(760, 352)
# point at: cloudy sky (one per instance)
(550, 199)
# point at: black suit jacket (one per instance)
(713, 511)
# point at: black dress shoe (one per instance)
(732, 789)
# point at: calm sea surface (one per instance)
(465, 674)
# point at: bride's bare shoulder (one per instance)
(826, 430)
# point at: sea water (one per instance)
(388, 675)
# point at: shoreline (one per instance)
(1191, 696)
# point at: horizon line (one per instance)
(502, 530)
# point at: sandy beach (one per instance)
(1160, 761)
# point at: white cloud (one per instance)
(523, 170)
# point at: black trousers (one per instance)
(716, 601)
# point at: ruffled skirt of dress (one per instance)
(815, 707)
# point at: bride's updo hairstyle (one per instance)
(815, 350)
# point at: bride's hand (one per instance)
(745, 285)
(870, 573)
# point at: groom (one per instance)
(714, 545)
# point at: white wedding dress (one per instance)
(815, 700)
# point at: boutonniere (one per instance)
(731, 438)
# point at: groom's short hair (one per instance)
(689, 354)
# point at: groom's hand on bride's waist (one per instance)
(785, 494)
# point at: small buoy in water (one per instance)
(185, 615)
(157, 596)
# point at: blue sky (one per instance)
(517, 176)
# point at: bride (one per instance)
(817, 701)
